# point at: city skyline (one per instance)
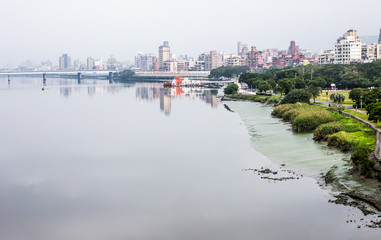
(42, 29)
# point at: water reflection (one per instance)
(67, 87)
(152, 92)
(124, 171)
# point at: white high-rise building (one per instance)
(371, 52)
(328, 57)
(348, 48)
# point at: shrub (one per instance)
(323, 131)
(231, 89)
(297, 95)
(310, 120)
(350, 141)
(340, 140)
(281, 109)
(360, 158)
(352, 127)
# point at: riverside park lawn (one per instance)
(324, 97)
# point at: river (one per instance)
(136, 161)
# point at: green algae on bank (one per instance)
(298, 152)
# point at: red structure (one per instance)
(179, 81)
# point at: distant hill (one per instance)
(369, 39)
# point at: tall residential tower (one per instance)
(64, 62)
(348, 48)
(164, 54)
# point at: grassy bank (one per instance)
(337, 129)
(255, 98)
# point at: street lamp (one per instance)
(361, 102)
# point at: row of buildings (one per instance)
(348, 49)
(257, 60)
(112, 63)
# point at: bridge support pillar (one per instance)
(111, 77)
(9, 79)
(79, 78)
(44, 78)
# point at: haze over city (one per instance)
(41, 29)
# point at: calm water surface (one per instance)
(116, 161)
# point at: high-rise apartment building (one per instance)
(234, 60)
(328, 57)
(64, 62)
(371, 52)
(293, 49)
(213, 60)
(90, 63)
(145, 62)
(241, 47)
(164, 54)
(348, 48)
(254, 59)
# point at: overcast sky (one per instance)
(44, 29)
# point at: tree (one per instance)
(357, 94)
(228, 71)
(297, 95)
(374, 111)
(126, 74)
(278, 89)
(286, 85)
(271, 82)
(317, 82)
(231, 89)
(300, 83)
(372, 96)
(337, 98)
(315, 92)
(264, 86)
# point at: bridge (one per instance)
(195, 77)
(65, 73)
(100, 74)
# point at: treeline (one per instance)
(125, 74)
(228, 71)
(348, 76)
(371, 100)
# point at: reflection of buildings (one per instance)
(66, 91)
(92, 86)
(152, 92)
(165, 100)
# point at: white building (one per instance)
(371, 52)
(328, 57)
(348, 48)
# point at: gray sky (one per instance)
(44, 29)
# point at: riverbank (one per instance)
(298, 152)
(338, 130)
(350, 134)
(340, 174)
